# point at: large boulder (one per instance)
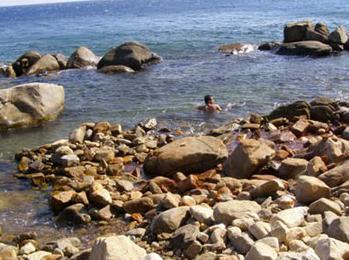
(81, 58)
(30, 104)
(338, 36)
(226, 212)
(295, 32)
(24, 62)
(305, 48)
(45, 64)
(187, 155)
(116, 248)
(247, 158)
(130, 54)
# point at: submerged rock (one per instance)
(303, 48)
(236, 48)
(30, 104)
(187, 155)
(114, 69)
(131, 54)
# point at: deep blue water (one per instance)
(186, 33)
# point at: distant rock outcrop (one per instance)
(304, 39)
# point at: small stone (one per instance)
(309, 189)
(78, 135)
(322, 205)
(260, 229)
(193, 250)
(226, 212)
(261, 251)
(292, 167)
(116, 247)
(330, 248)
(316, 166)
(339, 229)
(124, 185)
(242, 242)
(293, 217)
(27, 249)
(169, 220)
(100, 196)
(188, 201)
(141, 205)
(105, 153)
(202, 214)
(170, 201)
(69, 160)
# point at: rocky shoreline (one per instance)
(266, 187)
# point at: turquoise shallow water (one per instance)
(186, 34)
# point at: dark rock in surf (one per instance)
(131, 54)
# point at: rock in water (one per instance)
(82, 57)
(30, 104)
(236, 48)
(187, 155)
(304, 48)
(298, 108)
(130, 54)
(114, 69)
(249, 156)
(45, 64)
(295, 32)
(116, 248)
(338, 36)
(23, 63)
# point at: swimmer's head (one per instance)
(209, 99)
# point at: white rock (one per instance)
(261, 251)
(116, 248)
(201, 213)
(293, 217)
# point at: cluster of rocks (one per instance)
(27, 246)
(303, 38)
(128, 57)
(30, 104)
(270, 187)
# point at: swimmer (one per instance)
(210, 105)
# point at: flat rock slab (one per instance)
(304, 48)
(187, 155)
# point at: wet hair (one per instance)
(207, 98)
